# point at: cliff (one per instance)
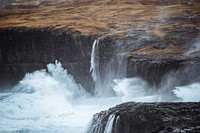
(155, 35)
(27, 50)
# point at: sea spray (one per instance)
(63, 77)
(111, 68)
(46, 101)
(135, 89)
(189, 93)
(128, 88)
(42, 98)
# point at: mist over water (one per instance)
(42, 100)
(51, 100)
(115, 67)
(189, 93)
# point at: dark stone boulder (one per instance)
(148, 118)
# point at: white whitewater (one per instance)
(109, 124)
(42, 100)
(189, 93)
(94, 67)
(94, 60)
(50, 101)
(134, 89)
(115, 68)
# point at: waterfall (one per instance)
(94, 66)
(109, 124)
(94, 60)
(104, 75)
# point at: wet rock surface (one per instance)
(149, 118)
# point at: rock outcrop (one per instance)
(27, 50)
(148, 118)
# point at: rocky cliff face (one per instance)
(27, 50)
(148, 118)
(152, 57)
(171, 53)
(153, 35)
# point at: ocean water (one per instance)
(50, 101)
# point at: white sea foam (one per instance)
(134, 89)
(189, 93)
(51, 101)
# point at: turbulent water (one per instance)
(51, 101)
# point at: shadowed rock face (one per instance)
(149, 118)
(24, 51)
(154, 61)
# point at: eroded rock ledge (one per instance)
(148, 118)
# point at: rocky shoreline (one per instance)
(148, 118)
(149, 39)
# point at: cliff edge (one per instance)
(157, 36)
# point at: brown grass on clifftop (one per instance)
(171, 50)
(100, 16)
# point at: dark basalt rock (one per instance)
(113, 51)
(149, 118)
(154, 67)
(26, 50)
(156, 70)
